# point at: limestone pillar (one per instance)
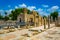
(55, 21)
(34, 20)
(44, 23)
(51, 19)
(38, 21)
(18, 26)
(48, 22)
(41, 21)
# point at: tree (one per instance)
(1, 17)
(16, 12)
(44, 16)
(6, 17)
(5, 13)
(28, 11)
(54, 15)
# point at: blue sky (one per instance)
(44, 7)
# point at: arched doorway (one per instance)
(20, 20)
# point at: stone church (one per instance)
(31, 19)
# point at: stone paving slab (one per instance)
(18, 33)
(51, 34)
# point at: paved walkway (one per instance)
(15, 34)
(50, 34)
(18, 33)
(42, 27)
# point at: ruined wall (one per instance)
(37, 19)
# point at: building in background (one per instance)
(31, 19)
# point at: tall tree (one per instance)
(44, 16)
(5, 13)
(6, 17)
(1, 17)
(16, 12)
(54, 15)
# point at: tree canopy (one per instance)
(44, 16)
(16, 12)
(6, 16)
(1, 17)
(54, 15)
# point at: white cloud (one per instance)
(45, 5)
(31, 7)
(40, 9)
(59, 13)
(8, 11)
(23, 5)
(59, 10)
(2, 12)
(53, 8)
(42, 12)
(9, 6)
(16, 7)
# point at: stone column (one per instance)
(18, 26)
(27, 24)
(51, 19)
(56, 21)
(34, 20)
(44, 23)
(38, 21)
(48, 22)
(41, 21)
